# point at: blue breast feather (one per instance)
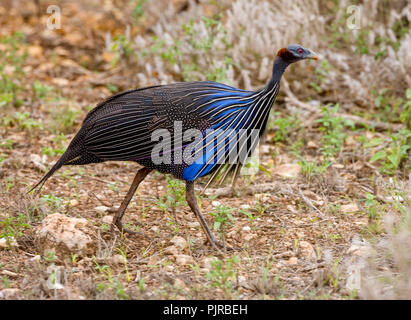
(223, 118)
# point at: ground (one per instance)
(313, 207)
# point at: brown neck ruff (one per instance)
(286, 55)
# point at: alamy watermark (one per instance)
(54, 20)
(354, 278)
(209, 147)
(354, 20)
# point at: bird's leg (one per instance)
(192, 202)
(140, 175)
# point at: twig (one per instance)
(308, 202)
(313, 267)
(259, 188)
(278, 218)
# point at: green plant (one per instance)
(405, 115)
(59, 140)
(105, 270)
(2, 157)
(138, 10)
(193, 45)
(14, 226)
(260, 207)
(123, 49)
(41, 90)
(120, 291)
(296, 148)
(5, 98)
(9, 182)
(374, 212)
(394, 150)
(123, 253)
(105, 227)
(174, 196)
(283, 127)
(392, 108)
(140, 282)
(51, 151)
(74, 258)
(249, 215)
(334, 274)
(23, 121)
(223, 274)
(268, 284)
(63, 119)
(54, 202)
(112, 87)
(68, 174)
(7, 144)
(311, 169)
(113, 186)
(12, 58)
(372, 206)
(320, 75)
(333, 131)
(362, 42)
(336, 38)
(6, 282)
(50, 256)
(223, 217)
(332, 139)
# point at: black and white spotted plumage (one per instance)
(121, 127)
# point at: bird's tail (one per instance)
(68, 157)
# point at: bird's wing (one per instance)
(121, 127)
(117, 128)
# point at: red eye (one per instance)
(300, 51)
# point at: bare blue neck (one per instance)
(278, 69)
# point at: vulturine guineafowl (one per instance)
(189, 129)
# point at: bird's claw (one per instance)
(123, 230)
(220, 246)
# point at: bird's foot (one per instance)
(114, 210)
(220, 246)
(123, 230)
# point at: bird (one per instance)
(187, 129)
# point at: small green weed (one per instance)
(223, 274)
(223, 218)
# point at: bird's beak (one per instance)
(313, 56)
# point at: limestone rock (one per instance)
(65, 235)
(117, 259)
(7, 243)
(183, 260)
(206, 262)
(246, 229)
(351, 207)
(10, 293)
(107, 220)
(307, 251)
(179, 242)
(289, 170)
(101, 209)
(292, 261)
(171, 250)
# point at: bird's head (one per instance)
(295, 52)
